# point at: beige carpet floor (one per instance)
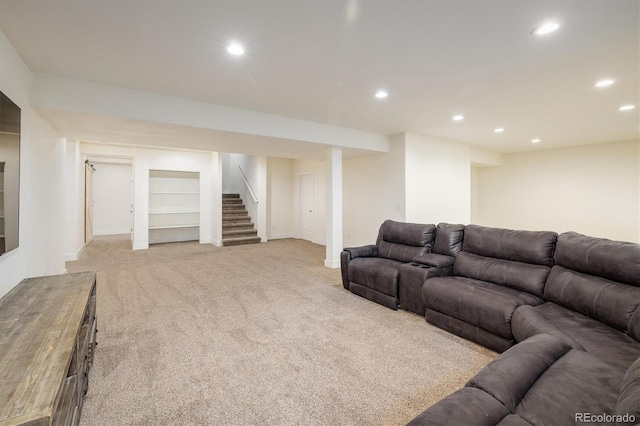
(261, 334)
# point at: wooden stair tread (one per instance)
(240, 240)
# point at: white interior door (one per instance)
(306, 206)
(112, 195)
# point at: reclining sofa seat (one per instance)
(593, 299)
(497, 271)
(372, 271)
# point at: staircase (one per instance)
(236, 224)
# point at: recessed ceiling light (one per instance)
(546, 28)
(536, 140)
(457, 117)
(235, 49)
(626, 107)
(604, 83)
(381, 94)
(498, 130)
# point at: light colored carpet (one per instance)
(260, 334)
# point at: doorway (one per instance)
(306, 206)
(108, 197)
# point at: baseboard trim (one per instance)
(103, 233)
(333, 264)
(282, 236)
(71, 257)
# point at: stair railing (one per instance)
(246, 182)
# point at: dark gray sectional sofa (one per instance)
(564, 309)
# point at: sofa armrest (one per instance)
(509, 377)
(467, 406)
(350, 253)
(629, 399)
(435, 260)
(364, 251)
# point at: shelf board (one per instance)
(173, 226)
(177, 212)
(173, 192)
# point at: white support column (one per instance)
(262, 198)
(334, 207)
(216, 205)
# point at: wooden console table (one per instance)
(47, 341)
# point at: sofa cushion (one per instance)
(467, 406)
(448, 239)
(576, 383)
(605, 343)
(480, 303)
(607, 301)
(614, 260)
(521, 276)
(629, 398)
(403, 241)
(376, 273)
(534, 247)
(527, 321)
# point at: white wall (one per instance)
(373, 191)
(317, 169)
(280, 198)
(74, 201)
(592, 189)
(112, 195)
(475, 203)
(438, 180)
(145, 159)
(42, 152)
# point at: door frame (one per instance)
(88, 201)
(111, 159)
(301, 207)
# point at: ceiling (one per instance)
(322, 61)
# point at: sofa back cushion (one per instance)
(607, 301)
(403, 241)
(518, 275)
(598, 278)
(448, 239)
(613, 260)
(535, 247)
(518, 259)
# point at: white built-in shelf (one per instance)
(173, 192)
(177, 212)
(197, 225)
(174, 206)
